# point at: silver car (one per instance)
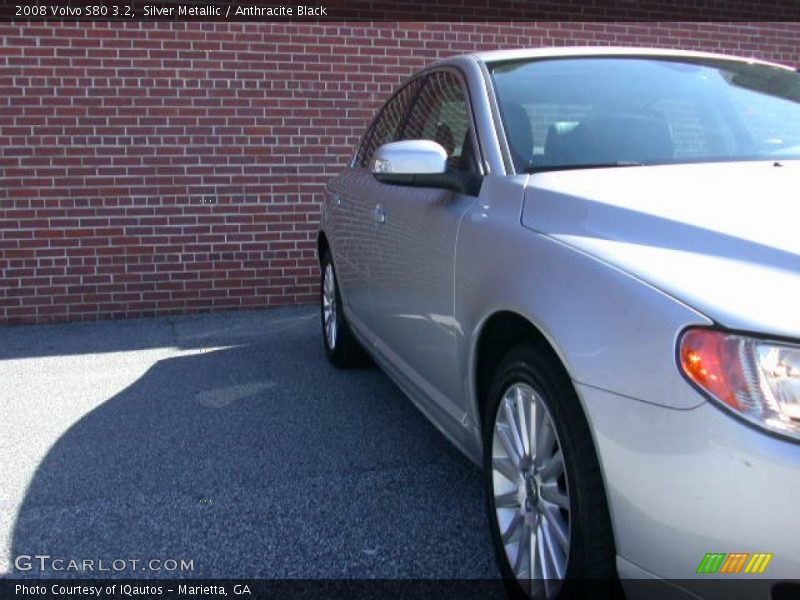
(583, 266)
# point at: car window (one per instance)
(440, 114)
(695, 131)
(615, 111)
(530, 125)
(386, 127)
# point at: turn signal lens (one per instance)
(759, 380)
(711, 360)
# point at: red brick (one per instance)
(148, 176)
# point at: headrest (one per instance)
(444, 137)
(519, 133)
(627, 137)
(556, 144)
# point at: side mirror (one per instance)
(420, 163)
(411, 157)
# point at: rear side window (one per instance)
(387, 126)
(440, 114)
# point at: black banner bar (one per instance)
(714, 587)
(401, 10)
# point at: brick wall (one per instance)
(157, 168)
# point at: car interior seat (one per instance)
(557, 142)
(445, 138)
(519, 133)
(610, 137)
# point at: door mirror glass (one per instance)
(411, 157)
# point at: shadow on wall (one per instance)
(258, 460)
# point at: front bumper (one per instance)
(684, 483)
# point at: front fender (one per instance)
(610, 329)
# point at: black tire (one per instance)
(342, 348)
(590, 566)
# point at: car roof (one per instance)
(495, 56)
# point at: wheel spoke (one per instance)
(534, 556)
(505, 466)
(559, 529)
(523, 554)
(504, 434)
(511, 419)
(551, 468)
(534, 415)
(507, 499)
(516, 522)
(553, 558)
(544, 567)
(551, 493)
(523, 420)
(538, 425)
(544, 438)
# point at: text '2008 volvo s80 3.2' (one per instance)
(583, 265)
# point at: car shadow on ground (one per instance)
(251, 457)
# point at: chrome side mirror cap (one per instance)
(409, 157)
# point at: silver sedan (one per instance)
(583, 265)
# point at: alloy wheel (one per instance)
(531, 493)
(329, 308)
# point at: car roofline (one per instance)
(498, 56)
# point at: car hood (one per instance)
(724, 238)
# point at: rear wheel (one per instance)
(341, 347)
(546, 503)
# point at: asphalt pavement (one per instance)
(226, 440)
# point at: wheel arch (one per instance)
(496, 336)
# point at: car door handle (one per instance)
(378, 215)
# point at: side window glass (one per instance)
(387, 126)
(440, 114)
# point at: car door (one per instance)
(352, 218)
(412, 284)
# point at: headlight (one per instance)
(756, 379)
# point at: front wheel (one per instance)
(546, 503)
(341, 347)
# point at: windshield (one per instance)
(583, 112)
